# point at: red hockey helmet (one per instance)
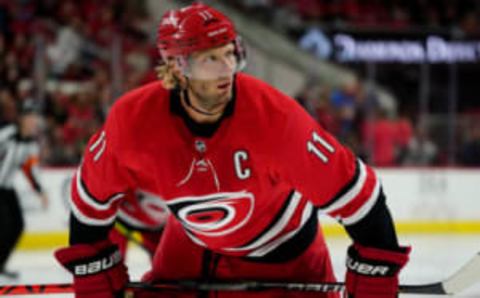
(168, 26)
(195, 28)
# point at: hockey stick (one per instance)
(468, 275)
(125, 232)
(461, 280)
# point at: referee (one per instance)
(18, 150)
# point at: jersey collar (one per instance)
(200, 129)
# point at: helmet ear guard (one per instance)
(241, 53)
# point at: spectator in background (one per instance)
(24, 52)
(315, 99)
(380, 139)
(421, 151)
(469, 24)
(8, 109)
(324, 112)
(346, 101)
(405, 137)
(67, 47)
(261, 8)
(24, 91)
(470, 151)
(285, 19)
(309, 95)
(59, 152)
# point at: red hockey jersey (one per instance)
(142, 211)
(246, 190)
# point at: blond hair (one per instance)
(165, 72)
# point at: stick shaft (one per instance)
(464, 278)
(36, 289)
(215, 286)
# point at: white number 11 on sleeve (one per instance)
(319, 144)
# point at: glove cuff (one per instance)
(89, 259)
(376, 262)
(97, 268)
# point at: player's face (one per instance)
(29, 125)
(213, 64)
(211, 76)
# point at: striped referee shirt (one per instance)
(17, 153)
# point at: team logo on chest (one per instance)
(215, 214)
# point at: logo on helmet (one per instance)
(171, 20)
(217, 32)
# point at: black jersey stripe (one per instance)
(275, 221)
(294, 246)
(91, 198)
(345, 189)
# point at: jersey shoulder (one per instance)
(140, 102)
(132, 117)
(256, 94)
(265, 101)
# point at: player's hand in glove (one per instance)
(98, 269)
(373, 272)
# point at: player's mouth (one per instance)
(224, 85)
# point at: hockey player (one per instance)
(243, 170)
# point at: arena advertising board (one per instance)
(344, 47)
(413, 195)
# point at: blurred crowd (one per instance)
(60, 53)
(380, 134)
(296, 16)
(359, 120)
(386, 137)
(73, 58)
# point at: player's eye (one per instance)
(210, 58)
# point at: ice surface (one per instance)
(433, 258)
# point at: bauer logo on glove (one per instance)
(368, 269)
(98, 265)
(106, 258)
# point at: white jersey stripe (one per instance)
(97, 142)
(277, 228)
(100, 152)
(365, 208)
(88, 220)
(131, 220)
(262, 251)
(351, 193)
(195, 239)
(87, 199)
